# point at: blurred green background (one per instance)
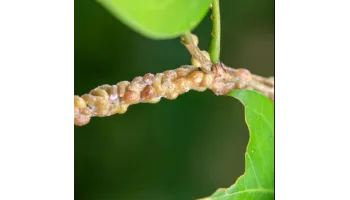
(174, 150)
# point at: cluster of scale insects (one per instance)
(108, 100)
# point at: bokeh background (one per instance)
(177, 149)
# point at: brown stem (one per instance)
(189, 42)
(108, 100)
(267, 81)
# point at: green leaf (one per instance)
(159, 19)
(257, 182)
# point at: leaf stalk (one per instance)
(214, 49)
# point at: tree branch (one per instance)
(108, 100)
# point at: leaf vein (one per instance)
(262, 190)
(262, 116)
(252, 165)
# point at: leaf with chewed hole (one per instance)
(159, 19)
(257, 182)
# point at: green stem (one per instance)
(214, 50)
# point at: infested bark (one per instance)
(108, 100)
